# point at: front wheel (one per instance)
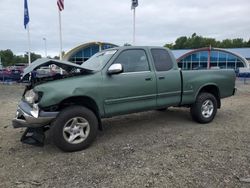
(205, 108)
(74, 129)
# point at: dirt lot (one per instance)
(151, 149)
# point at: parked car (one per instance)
(243, 72)
(5, 74)
(114, 82)
(20, 66)
(15, 75)
(12, 73)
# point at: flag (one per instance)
(134, 4)
(60, 4)
(26, 14)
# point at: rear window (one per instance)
(162, 60)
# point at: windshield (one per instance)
(99, 60)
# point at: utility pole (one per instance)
(133, 7)
(60, 33)
(45, 47)
(1, 66)
(134, 26)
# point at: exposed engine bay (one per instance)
(38, 79)
(46, 70)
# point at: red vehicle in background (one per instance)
(20, 66)
(12, 73)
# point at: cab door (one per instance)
(168, 78)
(132, 90)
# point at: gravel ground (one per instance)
(150, 149)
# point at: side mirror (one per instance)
(115, 69)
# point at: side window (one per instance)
(133, 61)
(162, 60)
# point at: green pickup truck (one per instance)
(113, 82)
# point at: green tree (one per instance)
(238, 43)
(7, 57)
(20, 59)
(170, 46)
(248, 43)
(56, 57)
(34, 56)
(196, 41)
(180, 43)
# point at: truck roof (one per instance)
(136, 47)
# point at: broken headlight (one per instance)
(31, 96)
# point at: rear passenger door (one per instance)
(167, 77)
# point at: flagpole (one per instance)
(28, 33)
(60, 33)
(134, 26)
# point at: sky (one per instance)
(157, 22)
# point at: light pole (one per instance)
(99, 45)
(45, 46)
(1, 66)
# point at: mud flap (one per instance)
(33, 136)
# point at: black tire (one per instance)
(197, 108)
(60, 136)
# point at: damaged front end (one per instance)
(35, 120)
(46, 70)
(29, 114)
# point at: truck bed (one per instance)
(194, 80)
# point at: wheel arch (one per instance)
(85, 101)
(213, 89)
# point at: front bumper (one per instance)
(25, 117)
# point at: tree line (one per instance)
(8, 58)
(196, 41)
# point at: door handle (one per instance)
(148, 79)
(161, 77)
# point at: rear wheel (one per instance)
(205, 108)
(74, 129)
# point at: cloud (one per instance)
(157, 22)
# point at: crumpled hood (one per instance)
(68, 66)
